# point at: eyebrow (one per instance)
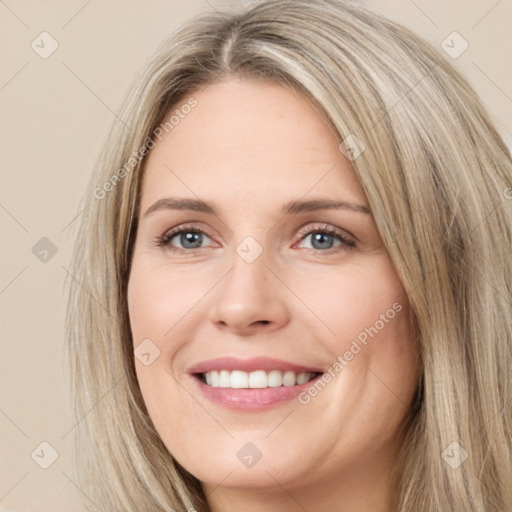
(291, 208)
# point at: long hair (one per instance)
(438, 178)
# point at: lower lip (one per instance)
(253, 399)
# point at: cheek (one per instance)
(360, 301)
(159, 298)
(375, 366)
(163, 305)
(365, 313)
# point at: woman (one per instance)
(295, 279)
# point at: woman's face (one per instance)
(258, 266)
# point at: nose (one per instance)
(250, 299)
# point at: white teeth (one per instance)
(258, 379)
(238, 380)
(224, 379)
(289, 379)
(302, 378)
(275, 379)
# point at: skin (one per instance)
(248, 148)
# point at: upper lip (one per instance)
(249, 365)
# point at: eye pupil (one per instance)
(190, 237)
(321, 239)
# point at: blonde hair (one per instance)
(436, 174)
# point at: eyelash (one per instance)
(346, 241)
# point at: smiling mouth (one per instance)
(259, 379)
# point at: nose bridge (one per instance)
(249, 274)
(250, 249)
(248, 295)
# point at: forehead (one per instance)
(247, 139)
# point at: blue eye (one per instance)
(323, 239)
(188, 239)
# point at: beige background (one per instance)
(55, 115)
